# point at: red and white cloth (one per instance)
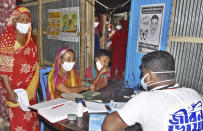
(3, 106)
(6, 7)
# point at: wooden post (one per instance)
(35, 3)
(90, 33)
(82, 39)
(171, 25)
(103, 39)
(40, 35)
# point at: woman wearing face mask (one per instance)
(63, 78)
(19, 68)
(98, 75)
(96, 34)
(118, 53)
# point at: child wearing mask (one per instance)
(98, 75)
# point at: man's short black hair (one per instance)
(154, 17)
(159, 61)
(102, 52)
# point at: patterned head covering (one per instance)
(71, 78)
(17, 12)
(6, 7)
(59, 53)
(8, 37)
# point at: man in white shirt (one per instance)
(165, 106)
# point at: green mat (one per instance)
(93, 95)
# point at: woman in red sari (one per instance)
(19, 68)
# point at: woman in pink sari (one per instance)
(19, 68)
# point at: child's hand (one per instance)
(92, 87)
(84, 88)
(104, 69)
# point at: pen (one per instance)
(107, 107)
(57, 106)
(95, 101)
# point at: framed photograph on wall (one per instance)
(150, 27)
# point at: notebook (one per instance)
(55, 110)
(95, 107)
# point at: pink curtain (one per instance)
(6, 7)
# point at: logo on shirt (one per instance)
(190, 119)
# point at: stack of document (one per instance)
(55, 110)
(95, 107)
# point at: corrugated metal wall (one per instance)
(188, 19)
(51, 46)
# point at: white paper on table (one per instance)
(59, 112)
(55, 110)
(47, 104)
(95, 107)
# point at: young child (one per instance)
(98, 75)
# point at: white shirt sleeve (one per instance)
(133, 111)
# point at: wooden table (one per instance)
(82, 124)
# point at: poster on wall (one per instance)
(150, 28)
(54, 23)
(70, 24)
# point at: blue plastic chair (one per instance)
(43, 82)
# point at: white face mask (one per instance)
(23, 28)
(145, 85)
(96, 24)
(99, 65)
(118, 27)
(68, 66)
(109, 29)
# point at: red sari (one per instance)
(119, 45)
(117, 54)
(21, 66)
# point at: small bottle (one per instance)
(80, 109)
(112, 103)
